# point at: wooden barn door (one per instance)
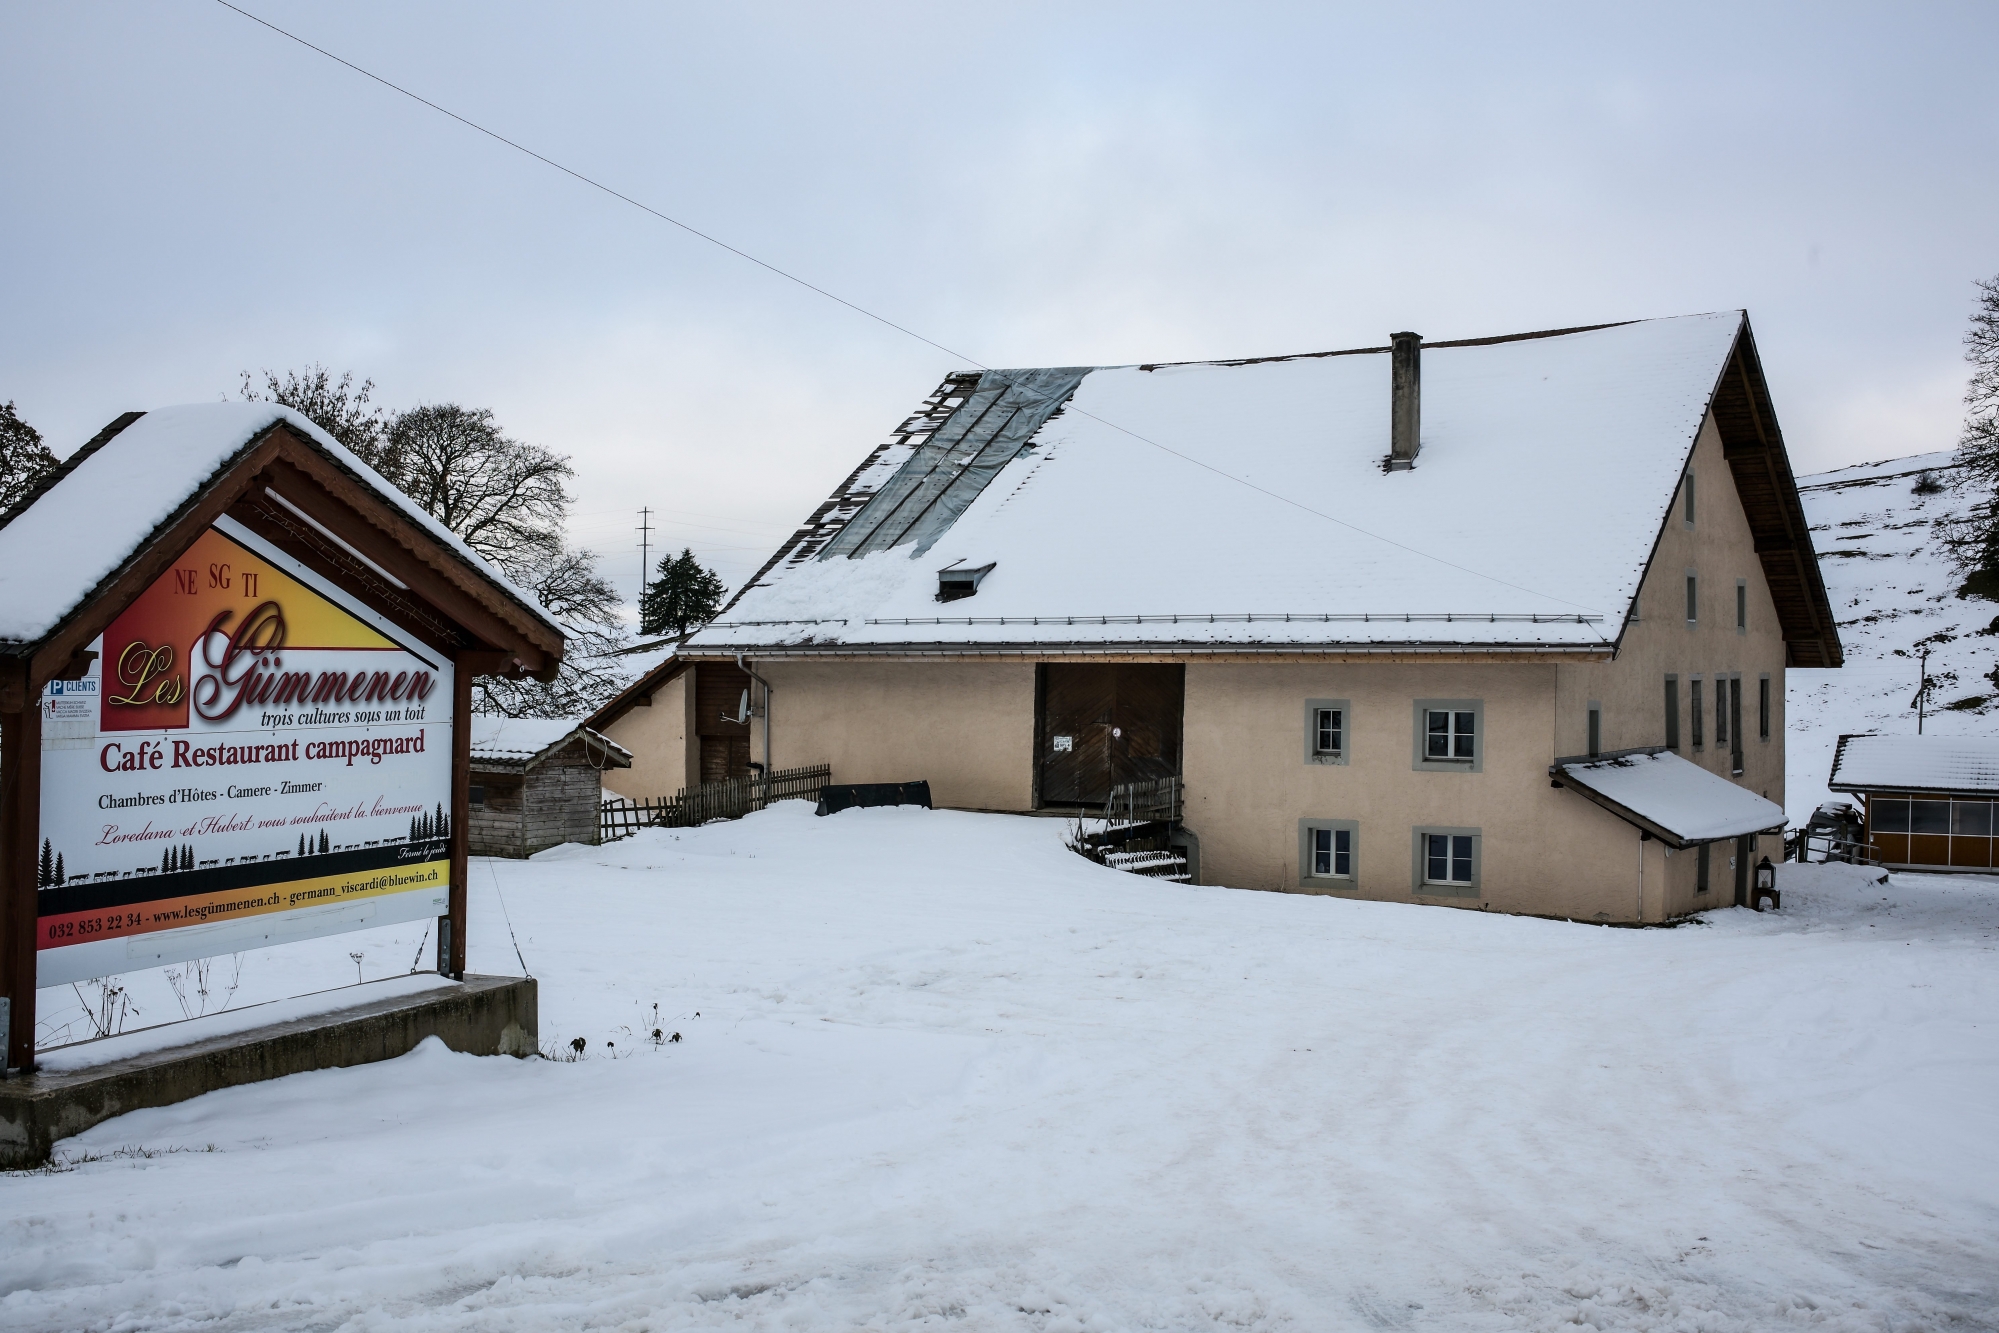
(725, 743)
(1105, 723)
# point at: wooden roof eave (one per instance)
(1770, 500)
(426, 564)
(1753, 445)
(432, 569)
(636, 693)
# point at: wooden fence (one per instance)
(730, 799)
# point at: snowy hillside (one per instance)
(937, 1072)
(1891, 589)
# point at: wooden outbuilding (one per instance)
(1929, 800)
(235, 687)
(537, 783)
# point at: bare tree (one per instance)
(565, 581)
(508, 500)
(504, 498)
(24, 459)
(1973, 540)
(335, 406)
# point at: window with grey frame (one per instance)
(1701, 859)
(1448, 736)
(1595, 728)
(1720, 711)
(1695, 712)
(1328, 730)
(1742, 606)
(1328, 849)
(1693, 598)
(1763, 708)
(1672, 712)
(1447, 861)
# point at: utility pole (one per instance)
(1923, 691)
(645, 550)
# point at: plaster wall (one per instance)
(1544, 850)
(965, 726)
(1720, 548)
(1250, 784)
(666, 752)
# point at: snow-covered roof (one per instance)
(645, 658)
(1671, 798)
(1916, 763)
(1546, 469)
(522, 742)
(56, 553)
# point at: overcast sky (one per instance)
(187, 196)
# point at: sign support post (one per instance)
(461, 799)
(20, 837)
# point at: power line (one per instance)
(862, 310)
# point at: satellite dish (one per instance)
(742, 717)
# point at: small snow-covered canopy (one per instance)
(108, 501)
(1678, 802)
(1958, 765)
(516, 744)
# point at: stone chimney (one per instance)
(1405, 399)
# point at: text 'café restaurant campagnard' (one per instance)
(224, 587)
(146, 755)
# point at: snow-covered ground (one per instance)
(935, 1071)
(1891, 589)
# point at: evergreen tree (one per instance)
(323, 845)
(187, 857)
(684, 596)
(167, 861)
(45, 873)
(60, 877)
(1973, 540)
(24, 459)
(301, 844)
(442, 828)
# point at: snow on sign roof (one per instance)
(101, 512)
(1546, 469)
(1916, 763)
(520, 742)
(1670, 798)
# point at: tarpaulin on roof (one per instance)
(1679, 802)
(945, 474)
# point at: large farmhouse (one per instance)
(1497, 623)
